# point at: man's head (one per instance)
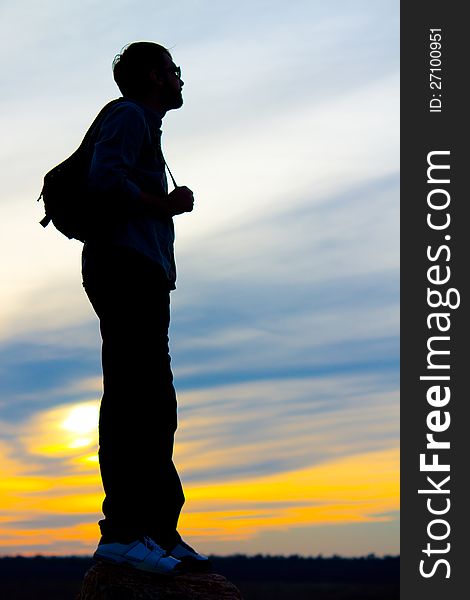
(145, 71)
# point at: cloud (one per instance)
(227, 431)
(273, 426)
(277, 294)
(46, 522)
(35, 376)
(310, 289)
(270, 164)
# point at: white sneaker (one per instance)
(189, 557)
(143, 554)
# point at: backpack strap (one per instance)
(168, 169)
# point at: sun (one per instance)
(64, 430)
(81, 419)
(81, 423)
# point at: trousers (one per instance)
(138, 413)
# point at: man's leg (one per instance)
(138, 415)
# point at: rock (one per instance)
(110, 582)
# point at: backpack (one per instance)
(67, 201)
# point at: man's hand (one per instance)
(180, 200)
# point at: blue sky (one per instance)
(284, 333)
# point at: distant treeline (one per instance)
(368, 569)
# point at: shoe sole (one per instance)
(194, 565)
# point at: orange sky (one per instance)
(361, 488)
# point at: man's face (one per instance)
(171, 84)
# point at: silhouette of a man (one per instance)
(128, 271)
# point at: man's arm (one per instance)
(115, 153)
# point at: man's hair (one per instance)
(131, 68)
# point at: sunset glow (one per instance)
(332, 493)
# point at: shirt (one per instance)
(127, 159)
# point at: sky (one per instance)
(285, 322)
